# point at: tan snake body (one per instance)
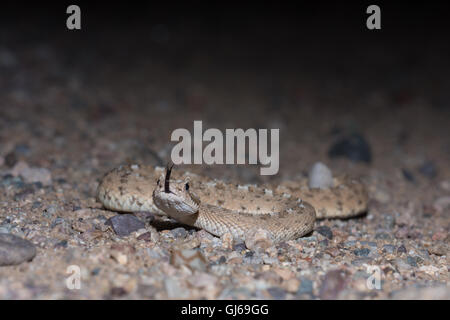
(221, 208)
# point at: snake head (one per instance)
(175, 197)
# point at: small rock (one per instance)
(412, 261)
(350, 243)
(440, 236)
(10, 159)
(382, 236)
(306, 286)
(428, 169)
(353, 147)
(277, 293)
(258, 239)
(320, 176)
(174, 289)
(364, 252)
(147, 291)
(191, 258)
(401, 249)
(179, 232)
(361, 261)
(32, 175)
(95, 271)
(368, 243)
(441, 204)
(431, 293)
(389, 248)
(401, 264)
(22, 149)
(381, 196)
(36, 205)
(431, 270)
(149, 237)
(15, 250)
(445, 185)
(438, 250)
(4, 229)
(118, 291)
(202, 280)
(61, 244)
(389, 221)
(323, 243)
(333, 284)
(402, 232)
(285, 274)
(120, 257)
(124, 224)
(408, 175)
(239, 246)
(325, 231)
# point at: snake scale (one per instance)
(286, 212)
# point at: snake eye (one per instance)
(186, 186)
(157, 182)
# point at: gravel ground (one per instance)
(67, 116)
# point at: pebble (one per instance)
(258, 240)
(408, 175)
(412, 261)
(333, 283)
(325, 231)
(124, 224)
(61, 244)
(118, 291)
(353, 147)
(364, 252)
(445, 184)
(32, 175)
(402, 232)
(191, 258)
(306, 286)
(147, 291)
(15, 250)
(427, 293)
(239, 246)
(361, 261)
(202, 280)
(320, 176)
(389, 221)
(10, 159)
(401, 249)
(16, 182)
(179, 232)
(174, 289)
(439, 250)
(368, 243)
(389, 248)
(277, 293)
(4, 229)
(428, 169)
(441, 204)
(149, 236)
(350, 243)
(323, 243)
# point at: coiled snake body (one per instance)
(219, 208)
